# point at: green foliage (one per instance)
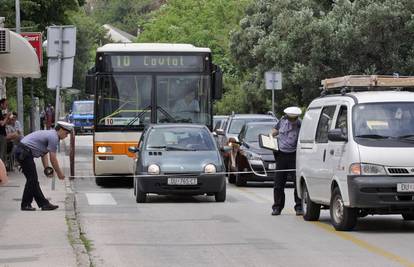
(205, 24)
(309, 40)
(124, 14)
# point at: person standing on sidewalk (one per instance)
(35, 145)
(287, 131)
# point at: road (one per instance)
(197, 231)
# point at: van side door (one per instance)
(336, 156)
(322, 166)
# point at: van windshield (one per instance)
(393, 120)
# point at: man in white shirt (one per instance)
(187, 107)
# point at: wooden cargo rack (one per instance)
(367, 81)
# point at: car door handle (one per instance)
(324, 155)
(331, 152)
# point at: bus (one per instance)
(81, 115)
(136, 84)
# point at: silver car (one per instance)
(178, 159)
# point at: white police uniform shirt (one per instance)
(41, 142)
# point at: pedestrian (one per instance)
(49, 117)
(4, 117)
(35, 145)
(3, 174)
(42, 120)
(287, 132)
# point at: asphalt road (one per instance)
(197, 231)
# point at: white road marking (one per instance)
(100, 199)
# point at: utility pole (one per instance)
(2, 83)
(20, 112)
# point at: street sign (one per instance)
(53, 73)
(273, 80)
(61, 48)
(35, 39)
(68, 36)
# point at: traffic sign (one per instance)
(59, 75)
(273, 80)
(35, 39)
(54, 37)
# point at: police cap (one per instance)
(65, 126)
(293, 111)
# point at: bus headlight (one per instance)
(210, 168)
(104, 149)
(154, 169)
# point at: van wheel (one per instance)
(99, 181)
(343, 218)
(140, 195)
(311, 210)
(221, 195)
(408, 216)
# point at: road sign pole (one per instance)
(19, 89)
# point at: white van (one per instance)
(355, 151)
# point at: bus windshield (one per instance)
(123, 99)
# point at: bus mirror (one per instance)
(218, 82)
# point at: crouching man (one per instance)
(35, 145)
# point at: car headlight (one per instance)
(210, 168)
(154, 169)
(104, 149)
(366, 169)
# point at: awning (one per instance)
(22, 60)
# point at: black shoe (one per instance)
(276, 212)
(28, 208)
(299, 212)
(50, 207)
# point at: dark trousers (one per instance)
(284, 161)
(32, 188)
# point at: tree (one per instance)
(310, 40)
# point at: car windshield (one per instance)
(252, 132)
(182, 138)
(384, 120)
(237, 124)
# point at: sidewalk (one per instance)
(35, 238)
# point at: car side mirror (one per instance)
(336, 135)
(133, 149)
(219, 131)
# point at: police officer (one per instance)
(287, 131)
(35, 145)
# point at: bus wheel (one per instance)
(343, 218)
(311, 210)
(99, 181)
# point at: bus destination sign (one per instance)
(155, 63)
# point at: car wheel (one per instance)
(140, 195)
(221, 195)
(99, 181)
(311, 210)
(343, 218)
(241, 179)
(232, 177)
(408, 216)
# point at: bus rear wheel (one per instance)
(99, 181)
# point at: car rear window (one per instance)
(237, 124)
(180, 139)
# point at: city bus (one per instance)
(136, 84)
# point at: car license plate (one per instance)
(406, 187)
(182, 181)
(272, 166)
